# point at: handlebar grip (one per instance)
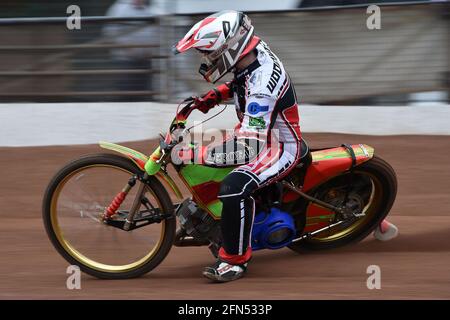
(189, 99)
(186, 111)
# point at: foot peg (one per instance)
(183, 240)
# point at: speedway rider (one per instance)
(265, 102)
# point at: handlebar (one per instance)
(184, 113)
(178, 122)
(166, 143)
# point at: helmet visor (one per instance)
(214, 66)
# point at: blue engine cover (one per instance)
(272, 230)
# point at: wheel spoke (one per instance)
(360, 199)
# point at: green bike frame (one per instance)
(204, 181)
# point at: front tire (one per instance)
(109, 164)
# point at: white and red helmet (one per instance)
(224, 38)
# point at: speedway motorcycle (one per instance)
(117, 215)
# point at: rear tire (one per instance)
(388, 181)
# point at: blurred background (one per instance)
(123, 50)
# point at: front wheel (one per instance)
(74, 203)
(372, 192)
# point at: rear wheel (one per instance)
(74, 203)
(373, 192)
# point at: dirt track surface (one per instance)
(414, 265)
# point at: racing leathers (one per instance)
(266, 106)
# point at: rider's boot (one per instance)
(228, 267)
(222, 271)
(385, 231)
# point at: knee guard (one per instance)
(237, 185)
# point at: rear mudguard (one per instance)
(140, 160)
(329, 163)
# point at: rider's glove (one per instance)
(207, 101)
(213, 97)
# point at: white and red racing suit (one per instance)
(266, 105)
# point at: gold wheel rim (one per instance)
(77, 255)
(369, 209)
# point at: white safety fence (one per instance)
(74, 123)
